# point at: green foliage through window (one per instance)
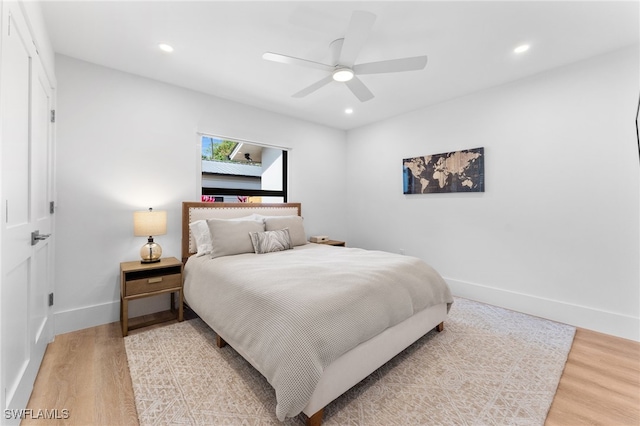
(217, 149)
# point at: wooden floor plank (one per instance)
(112, 372)
(600, 384)
(66, 379)
(86, 372)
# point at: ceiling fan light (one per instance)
(343, 74)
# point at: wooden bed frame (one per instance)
(354, 365)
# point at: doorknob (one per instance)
(37, 236)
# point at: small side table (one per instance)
(138, 280)
(332, 243)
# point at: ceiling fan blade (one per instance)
(359, 89)
(393, 65)
(357, 34)
(290, 60)
(315, 86)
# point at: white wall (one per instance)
(272, 172)
(127, 143)
(556, 233)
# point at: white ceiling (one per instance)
(219, 46)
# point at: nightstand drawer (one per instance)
(151, 284)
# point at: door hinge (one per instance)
(52, 207)
(50, 299)
(53, 115)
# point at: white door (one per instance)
(27, 158)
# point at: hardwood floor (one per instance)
(600, 384)
(86, 372)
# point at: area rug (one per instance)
(490, 366)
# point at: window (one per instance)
(239, 171)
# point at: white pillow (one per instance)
(271, 241)
(231, 237)
(294, 223)
(202, 237)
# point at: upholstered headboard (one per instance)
(192, 211)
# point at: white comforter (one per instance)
(294, 312)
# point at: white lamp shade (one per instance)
(149, 223)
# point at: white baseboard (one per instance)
(602, 321)
(91, 316)
(86, 316)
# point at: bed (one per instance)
(313, 319)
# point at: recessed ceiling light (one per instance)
(521, 49)
(165, 47)
(348, 111)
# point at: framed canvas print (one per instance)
(457, 171)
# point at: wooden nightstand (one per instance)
(333, 243)
(138, 280)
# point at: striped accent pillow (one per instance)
(270, 241)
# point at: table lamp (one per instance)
(148, 224)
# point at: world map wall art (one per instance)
(458, 171)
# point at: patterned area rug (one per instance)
(489, 366)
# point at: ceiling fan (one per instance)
(345, 52)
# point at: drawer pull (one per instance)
(155, 280)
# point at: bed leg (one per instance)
(220, 342)
(440, 326)
(316, 419)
